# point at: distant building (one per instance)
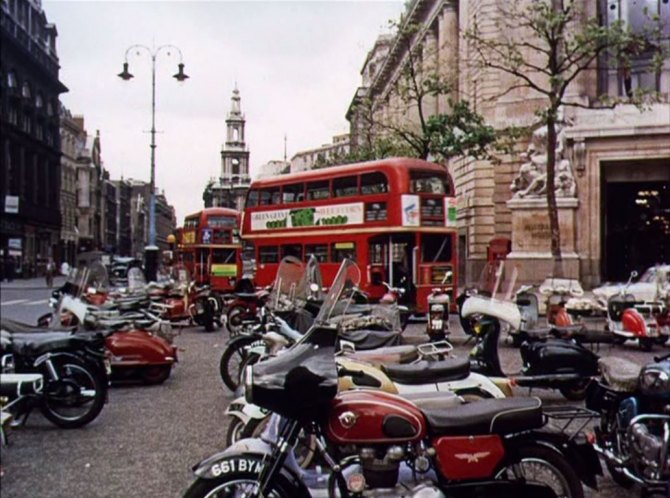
(231, 187)
(321, 156)
(166, 220)
(89, 189)
(123, 218)
(274, 168)
(70, 133)
(109, 214)
(30, 226)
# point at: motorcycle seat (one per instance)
(391, 354)
(246, 295)
(423, 372)
(15, 326)
(490, 416)
(435, 400)
(621, 375)
(37, 344)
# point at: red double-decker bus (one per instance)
(396, 218)
(210, 247)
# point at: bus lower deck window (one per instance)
(268, 254)
(341, 250)
(320, 252)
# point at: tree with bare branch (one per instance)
(545, 45)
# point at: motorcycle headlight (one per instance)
(655, 380)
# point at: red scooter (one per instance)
(138, 343)
(641, 321)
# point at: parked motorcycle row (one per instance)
(325, 382)
(96, 334)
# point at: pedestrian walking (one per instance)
(51, 268)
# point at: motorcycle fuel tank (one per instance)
(369, 417)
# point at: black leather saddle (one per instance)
(37, 344)
(423, 372)
(491, 416)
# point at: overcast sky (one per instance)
(296, 64)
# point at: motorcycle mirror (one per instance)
(314, 287)
(633, 274)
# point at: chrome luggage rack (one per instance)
(566, 416)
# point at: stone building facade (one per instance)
(615, 215)
(319, 156)
(30, 143)
(230, 189)
(70, 136)
(123, 217)
(89, 190)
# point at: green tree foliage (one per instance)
(545, 45)
(459, 132)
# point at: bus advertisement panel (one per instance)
(396, 218)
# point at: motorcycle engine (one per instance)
(649, 449)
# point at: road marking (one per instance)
(15, 301)
(35, 303)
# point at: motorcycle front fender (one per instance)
(579, 452)
(248, 456)
(245, 411)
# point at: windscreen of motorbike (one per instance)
(310, 285)
(341, 292)
(285, 286)
(498, 280)
(81, 280)
(300, 382)
(136, 281)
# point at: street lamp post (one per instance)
(181, 77)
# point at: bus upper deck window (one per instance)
(345, 186)
(428, 183)
(269, 196)
(374, 183)
(252, 198)
(318, 190)
(293, 193)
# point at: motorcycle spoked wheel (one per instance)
(238, 484)
(235, 320)
(305, 449)
(233, 361)
(76, 398)
(538, 464)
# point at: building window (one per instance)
(39, 101)
(11, 80)
(25, 90)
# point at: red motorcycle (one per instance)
(380, 444)
(242, 306)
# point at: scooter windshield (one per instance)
(341, 292)
(285, 287)
(310, 286)
(498, 280)
(136, 281)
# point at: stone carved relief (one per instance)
(532, 178)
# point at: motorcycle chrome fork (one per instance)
(288, 436)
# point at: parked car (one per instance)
(654, 284)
